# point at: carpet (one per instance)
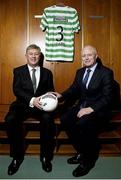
(105, 168)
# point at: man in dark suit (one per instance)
(86, 118)
(28, 86)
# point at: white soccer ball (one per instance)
(49, 102)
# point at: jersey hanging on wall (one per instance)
(60, 24)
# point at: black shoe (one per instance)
(14, 166)
(75, 159)
(46, 165)
(82, 169)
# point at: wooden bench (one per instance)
(110, 139)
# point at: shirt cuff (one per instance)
(31, 102)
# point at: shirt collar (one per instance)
(30, 68)
(92, 68)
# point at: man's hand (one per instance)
(37, 102)
(84, 111)
(57, 94)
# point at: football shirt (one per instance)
(60, 24)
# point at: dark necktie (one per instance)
(86, 77)
(34, 79)
(84, 81)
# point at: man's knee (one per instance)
(47, 119)
(10, 118)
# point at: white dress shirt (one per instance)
(37, 75)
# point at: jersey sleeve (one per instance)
(43, 23)
(75, 22)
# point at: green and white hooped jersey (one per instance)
(59, 23)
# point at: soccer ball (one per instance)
(48, 102)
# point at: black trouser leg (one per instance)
(83, 133)
(47, 135)
(68, 123)
(14, 127)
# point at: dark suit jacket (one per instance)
(23, 88)
(100, 90)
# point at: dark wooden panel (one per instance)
(115, 45)
(96, 27)
(12, 43)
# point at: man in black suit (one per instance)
(90, 114)
(28, 104)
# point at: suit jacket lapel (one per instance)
(81, 76)
(95, 77)
(28, 77)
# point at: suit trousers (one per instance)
(14, 124)
(83, 132)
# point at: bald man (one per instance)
(92, 86)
